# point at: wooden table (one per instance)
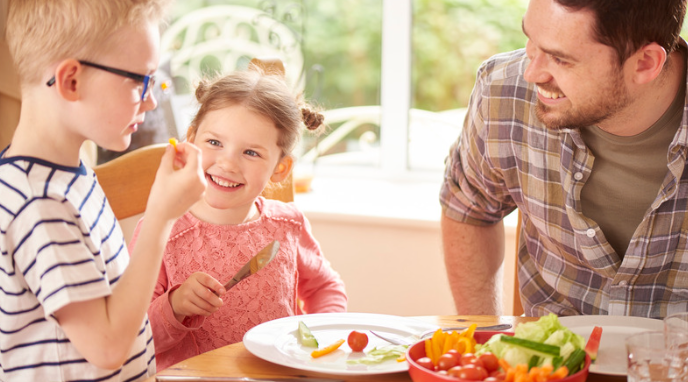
(235, 361)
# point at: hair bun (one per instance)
(312, 119)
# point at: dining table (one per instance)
(236, 361)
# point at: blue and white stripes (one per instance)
(59, 243)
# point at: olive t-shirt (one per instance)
(627, 175)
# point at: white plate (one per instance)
(277, 341)
(611, 355)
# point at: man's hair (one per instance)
(628, 25)
(43, 32)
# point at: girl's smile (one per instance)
(240, 155)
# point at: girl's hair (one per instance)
(41, 33)
(265, 94)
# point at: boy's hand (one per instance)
(179, 183)
(198, 295)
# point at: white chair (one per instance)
(225, 38)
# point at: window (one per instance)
(393, 76)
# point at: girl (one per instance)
(247, 125)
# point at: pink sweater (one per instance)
(299, 271)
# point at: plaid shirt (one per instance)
(506, 159)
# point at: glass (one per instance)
(655, 357)
(148, 81)
(677, 322)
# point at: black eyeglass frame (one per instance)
(147, 80)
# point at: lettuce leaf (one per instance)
(547, 330)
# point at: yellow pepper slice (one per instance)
(450, 341)
(469, 332)
(173, 142)
(464, 345)
(428, 348)
(327, 349)
(436, 347)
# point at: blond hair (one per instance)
(41, 33)
(265, 94)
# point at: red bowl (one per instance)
(421, 374)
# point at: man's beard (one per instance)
(609, 100)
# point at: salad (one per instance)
(545, 342)
(543, 350)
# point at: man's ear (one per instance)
(648, 63)
(68, 79)
(282, 169)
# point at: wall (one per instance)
(391, 265)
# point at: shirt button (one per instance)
(578, 176)
(623, 283)
(590, 232)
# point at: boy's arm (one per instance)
(473, 257)
(104, 329)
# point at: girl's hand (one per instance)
(179, 183)
(198, 295)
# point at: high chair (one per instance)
(127, 180)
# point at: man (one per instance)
(585, 132)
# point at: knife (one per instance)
(182, 378)
(260, 260)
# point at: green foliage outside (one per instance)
(342, 45)
(451, 38)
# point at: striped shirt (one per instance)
(506, 159)
(60, 243)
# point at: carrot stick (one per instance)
(327, 349)
(560, 373)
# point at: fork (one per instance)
(405, 341)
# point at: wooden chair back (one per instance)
(518, 307)
(127, 181)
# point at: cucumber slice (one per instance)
(306, 337)
(575, 361)
(549, 350)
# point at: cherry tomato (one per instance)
(446, 361)
(498, 375)
(470, 359)
(357, 341)
(425, 362)
(467, 373)
(490, 362)
(472, 369)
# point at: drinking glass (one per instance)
(677, 322)
(654, 357)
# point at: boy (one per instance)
(69, 309)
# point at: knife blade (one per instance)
(257, 262)
(183, 378)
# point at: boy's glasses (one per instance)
(148, 81)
